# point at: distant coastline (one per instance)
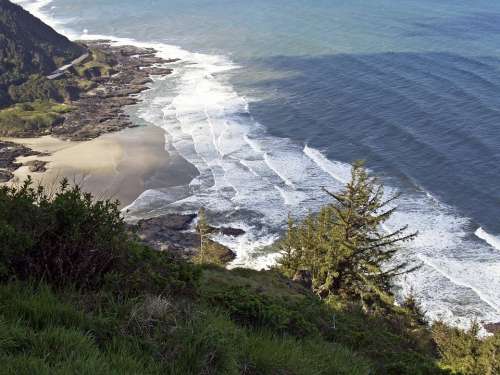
(116, 165)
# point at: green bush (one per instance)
(68, 238)
(38, 87)
(35, 88)
(258, 310)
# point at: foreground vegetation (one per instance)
(80, 295)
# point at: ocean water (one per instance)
(273, 99)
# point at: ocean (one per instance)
(272, 100)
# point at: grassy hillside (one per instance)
(28, 47)
(80, 295)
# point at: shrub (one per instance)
(68, 238)
(252, 309)
(36, 88)
(62, 238)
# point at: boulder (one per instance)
(492, 327)
(228, 231)
(173, 233)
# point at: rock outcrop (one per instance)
(177, 234)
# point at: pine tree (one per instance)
(344, 246)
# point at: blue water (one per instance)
(283, 95)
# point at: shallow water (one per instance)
(273, 99)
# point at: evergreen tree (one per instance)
(345, 246)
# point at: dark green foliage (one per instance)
(415, 311)
(344, 247)
(143, 269)
(464, 352)
(40, 88)
(63, 238)
(28, 46)
(393, 341)
(259, 310)
(68, 238)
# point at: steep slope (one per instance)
(28, 46)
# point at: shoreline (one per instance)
(98, 145)
(119, 165)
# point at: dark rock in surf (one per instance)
(170, 221)
(229, 231)
(492, 327)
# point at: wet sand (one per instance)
(118, 165)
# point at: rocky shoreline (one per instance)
(100, 109)
(9, 152)
(176, 233)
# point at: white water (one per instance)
(251, 180)
(489, 238)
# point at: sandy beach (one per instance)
(118, 165)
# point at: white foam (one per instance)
(339, 171)
(493, 241)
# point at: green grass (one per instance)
(31, 118)
(104, 70)
(98, 61)
(44, 332)
(66, 331)
(268, 300)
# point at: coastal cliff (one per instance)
(29, 47)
